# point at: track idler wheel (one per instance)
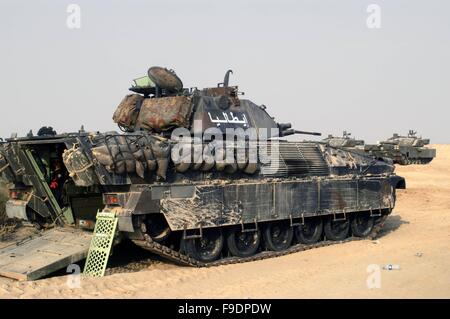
(278, 235)
(156, 227)
(362, 224)
(205, 249)
(336, 229)
(243, 244)
(310, 232)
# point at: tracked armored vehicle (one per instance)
(201, 177)
(353, 145)
(349, 143)
(345, 141)
(405, 150)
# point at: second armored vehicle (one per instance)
(404, 150)
(345, 141)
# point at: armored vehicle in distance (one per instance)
(405, 150)
(350, 144)
(344, 141)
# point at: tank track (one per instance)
(420, 161)
(184, 260)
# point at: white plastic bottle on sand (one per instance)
(391, 267)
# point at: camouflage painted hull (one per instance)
(212, 205)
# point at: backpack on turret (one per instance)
(127, 112)
(162, 114)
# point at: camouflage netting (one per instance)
(165, 113)
(79, 167)
(158, 115)
(127, 111)
(144, 154)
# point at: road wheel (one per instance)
(362, 224)
(243, 244)
(205, 249)
(336, 230)
(310, 232)
(278, 235)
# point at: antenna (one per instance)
(226, 79)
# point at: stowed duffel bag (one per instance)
(161, 114)
(127, 112)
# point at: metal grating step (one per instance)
(101, 244)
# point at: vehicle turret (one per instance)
(344, 141)
(161, 104)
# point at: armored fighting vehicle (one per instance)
(405, 150)
(345, 141)
(353, 145)
(200, 177)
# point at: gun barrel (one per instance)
(308, 133)
(292, 132)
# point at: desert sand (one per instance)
(416, 237)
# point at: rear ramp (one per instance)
(39, 256)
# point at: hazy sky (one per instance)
(313, 63)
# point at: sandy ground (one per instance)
(416, 237)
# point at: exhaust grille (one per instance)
(296, 159)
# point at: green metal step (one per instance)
(101, 244)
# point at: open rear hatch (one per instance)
(39, 256)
